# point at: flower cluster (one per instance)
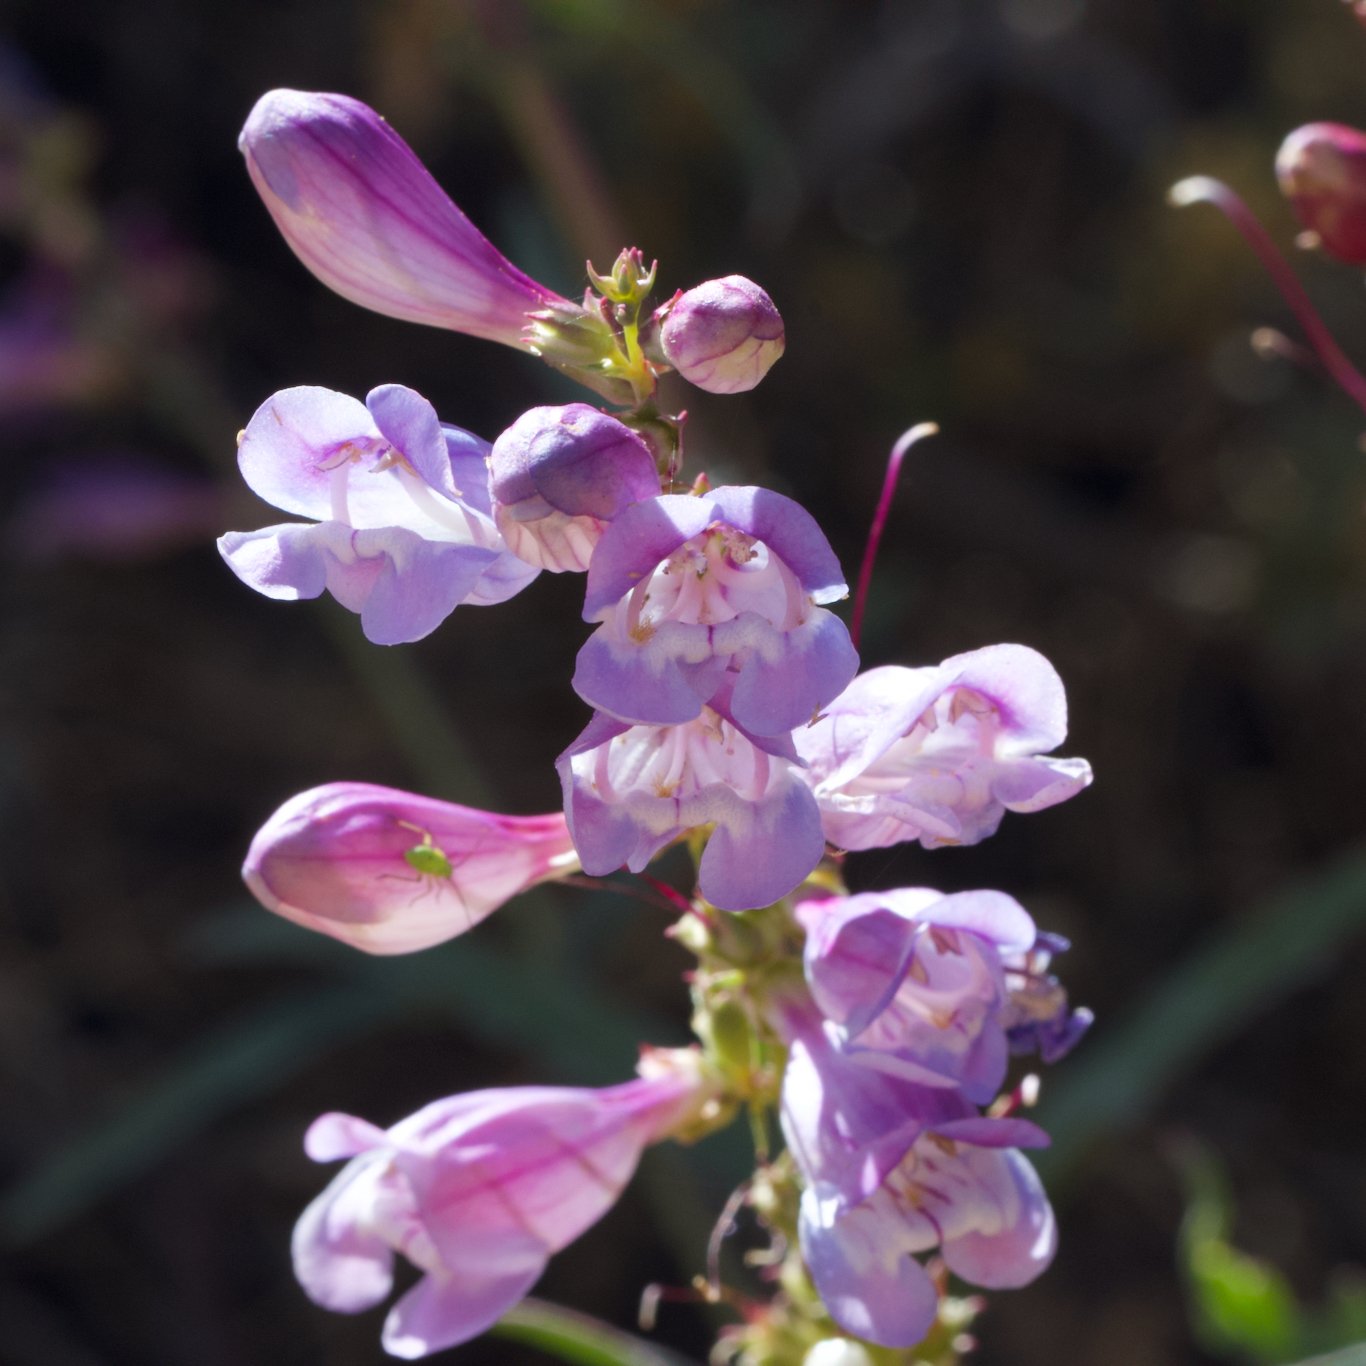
(729, 713)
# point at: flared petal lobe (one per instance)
(360, 210)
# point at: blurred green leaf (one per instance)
(1121, 1072)
(577, 1338)
(1239, 1304)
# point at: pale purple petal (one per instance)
(443, 1311)
(873, 1290)
(335, 1136)
(340, 1260)
(409, 423)
(419, 583)
(787, 676)
(1020, 1240)
(288, 451)
(760, 851)
(1025, 688)
(285, 562)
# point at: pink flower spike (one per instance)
(360, 210)
(391, 872)
(904, 442)
(1203, 189)
(478, 1191)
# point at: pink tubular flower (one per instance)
(391, 872)
(631, 790)
(722, 336)
(940, 754)
(360, 210)
(696, 591)
(558, 476)
(477, 1191)
(1322, 172)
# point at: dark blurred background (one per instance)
(958, 206)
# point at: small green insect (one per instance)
(426, 858)
(430, 864)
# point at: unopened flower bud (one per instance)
(360, 210)
(390, 872)
(723, 335)
(559, 475)
(1322, 171)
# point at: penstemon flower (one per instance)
(631, 790)
(478, 1191)
(694, 592)
(403, 535)
(729, 716)
(940, 755)
(391, 872)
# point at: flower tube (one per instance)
(390, 872)
(360, 210)
(477, 1191)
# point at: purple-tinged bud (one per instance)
(1322, 171)
(557, 478)
(723, 335)
(360, 210)
(390, 872)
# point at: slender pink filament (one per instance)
(904, 443)
(1197, 188)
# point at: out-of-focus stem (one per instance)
(884, 506)
(1204, 189)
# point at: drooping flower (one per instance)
(1321, 168)
(694, 591)
(941, 754)
(962, 1188)
(723, 335)
(403, 533)
(916, 983)
(390, 872)
(360, 210)
(558, 476)
(891, 1169)
(477, 1191)
(630, 790)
